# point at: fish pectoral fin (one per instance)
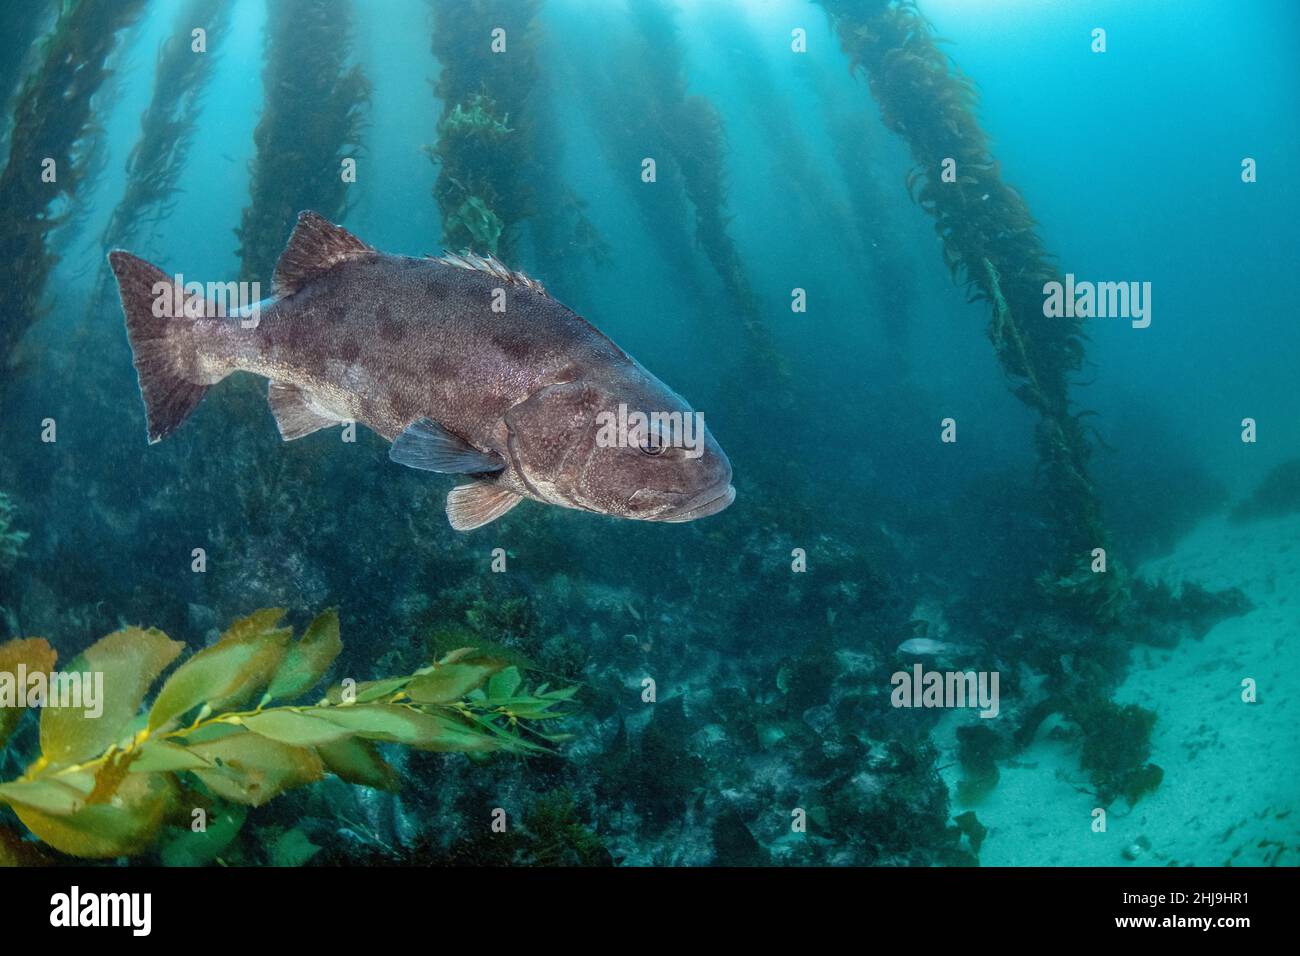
(316, 247)
(296, 414)
(426, 445)
(478, 503)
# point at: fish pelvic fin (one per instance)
(426, 445)
(162, 345)
(316, 247)
(478, 503)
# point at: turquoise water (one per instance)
(898, 504)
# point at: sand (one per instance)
(1231, 790)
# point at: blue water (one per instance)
(772, 685)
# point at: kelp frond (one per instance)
(989, 240)
(221, 726)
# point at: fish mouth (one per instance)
(712, 503)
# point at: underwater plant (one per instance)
(989, 243)
(11, 539)
(21, 25)
(311, 121)
(166, 126)
(52, 120)
(485, 137)
(1278, 494)
(1116, 744)
(106, 786)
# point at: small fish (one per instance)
(515, 400)
(929, 647)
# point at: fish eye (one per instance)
(651, 446)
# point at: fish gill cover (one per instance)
(748, 432)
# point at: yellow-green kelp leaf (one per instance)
(399, 724)
(36, 656)
(450, 682)
(226, 673)
(163, 756)
(366, 690)
(188, 847)
(51, 795)
(129, 661)
(291, 727)
(251, 769)
(358, 761)
(127, 825)
(306, 662)
(504, 683)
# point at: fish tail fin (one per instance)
(162, 346)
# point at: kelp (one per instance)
(685, 135)
(20, 24)
(222, 727)
(53, 115)
(167, 124)
(11, 539)
(311, 121)
(484, 150)
(989, 243)
(689, 135)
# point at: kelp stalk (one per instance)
(167, 125)
(311, 122)
(484, 147)
(52, 116)
(991, 245)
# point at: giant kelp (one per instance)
(311, 121)
(20, 24)
(167, 125)
(11, 539)
(690, 132)
(106, 785)
(989, 242)
(484, 146)
(52, 117)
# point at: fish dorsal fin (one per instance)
(493, 267)
(478, 503)
(316, 247)
(426, 445)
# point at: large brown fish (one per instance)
(466, 367)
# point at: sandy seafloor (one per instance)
(1231, 790)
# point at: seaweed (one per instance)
(1162, 617)
(1116, 745)
(970, 825)
(990, 245)
(978, 749)
(11, 539)
(110, 777)
(53, 118)
(485, 135)
(1277, 495)
(734, 844)
(311, 120)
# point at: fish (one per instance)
(929, 647)
(467, 367)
